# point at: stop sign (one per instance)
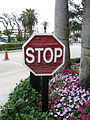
(43, 54)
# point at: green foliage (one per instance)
(7, 32)
(77, 35)
(22, 104)
(75, 64)
(75, 19)
(75, 60)
(29, 20)
(11, 46)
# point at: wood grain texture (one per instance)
(43, 42)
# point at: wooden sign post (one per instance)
(44, 55)
(44, 90)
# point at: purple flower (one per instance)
(58, 113)
(62, 100)
(64, 119)
(71, 115)
(58, 105)
(87, 92)
(81, 102)
(89, 98)
(76, 99)
(77, 106)
(65, 111)
(66, 96)
(69, 97)
(72, 106)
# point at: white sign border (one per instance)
(57, 67)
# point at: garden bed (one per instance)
(67, 100)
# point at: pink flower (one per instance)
(81, 109)
(88, 118)
(88, 104)
(76, 84)
(52, 107)
(83, 117)
(59, 99)
(55, 102)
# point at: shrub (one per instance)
(11, 46)
(75, 60)
(22, 104)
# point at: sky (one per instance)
(44, 8)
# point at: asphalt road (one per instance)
(13, 70)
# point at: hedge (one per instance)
(11, 46)
(23, 104)
(75, 60)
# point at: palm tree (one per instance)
(62, 26)
(45, 24)
(84, 80)
(23, 19)
(29, 20)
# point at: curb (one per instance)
(10, 51)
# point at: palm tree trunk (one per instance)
(44, 29)
(30, 30)
(84, 80)
(62, 26)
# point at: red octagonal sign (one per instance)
(43, 54)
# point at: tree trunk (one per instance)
(84, 80)
(9, 39)
(62, 27)
(45, 29)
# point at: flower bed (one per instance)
(67, 100)
(75, 66)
